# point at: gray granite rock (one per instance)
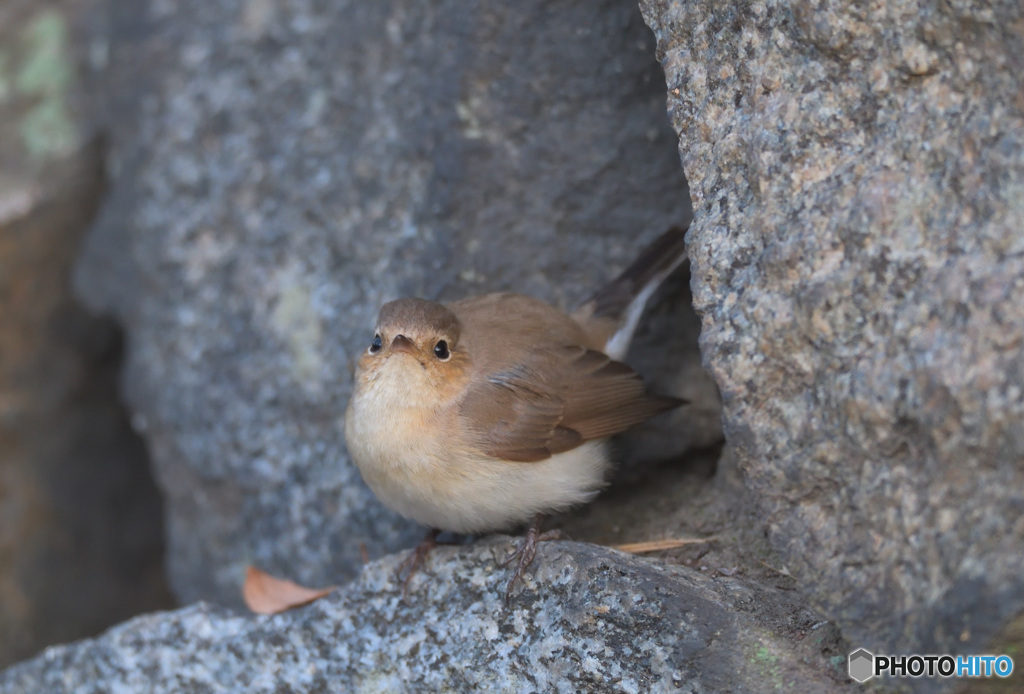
(281, 169)
(587, 619)
(858, 263)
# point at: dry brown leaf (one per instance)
(660, 545)
(265, 594)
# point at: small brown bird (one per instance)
(482, 414)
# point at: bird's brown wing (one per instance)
(553, 401)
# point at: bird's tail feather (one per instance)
(619, 304)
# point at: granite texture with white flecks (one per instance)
(857, 252)
(586, 619)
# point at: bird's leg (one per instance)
(416, 559)
(527, 551)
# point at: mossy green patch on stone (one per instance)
(45, 68)
(764, 656)
(767, 661)
(45, 76)
(48, 130)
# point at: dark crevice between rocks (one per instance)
(675, 475)
(81, 528)
(667, 482)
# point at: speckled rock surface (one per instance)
(281, 169)
(858, 262)
(587, 620)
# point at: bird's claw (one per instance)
(415, 560)
(525, 553)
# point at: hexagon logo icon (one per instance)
(862, 665)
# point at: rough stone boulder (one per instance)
(587, 619)
(858, 263)
(280, 170)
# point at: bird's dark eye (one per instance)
(441, 350)
(376, 344)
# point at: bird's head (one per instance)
(415, 356)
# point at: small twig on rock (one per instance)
(661, 545)
(781, 572)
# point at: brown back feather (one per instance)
(553, 400)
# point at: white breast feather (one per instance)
(468, 494)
